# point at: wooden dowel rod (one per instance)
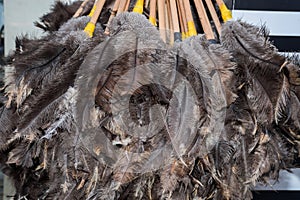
(189, 17)
(187, 8)
(181, 23)
(99, 6)
(162, 19)
(184, 27)
(147, 3)
(175, 20)
(112, 15)
(127, 5)
(220, 2)
(80, 9)
(122, 6)
(170, 28)
(214, 15)
(204, 20)
(90, 27)
(174, 13)
(139, 6)
(152, 15)
(93, 9)
(225, 12)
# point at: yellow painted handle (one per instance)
(89, 29)
(92, 11)
(225, 12)
(192, 29)
(184, 35)
(139, 7)
(152, 21)
(152, 14)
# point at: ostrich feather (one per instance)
(250, 44)
(251, 48)
(59, 14)
(46, 85)
(291, 127)
(215, 69)
(40, 92)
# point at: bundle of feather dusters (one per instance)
(228, 121)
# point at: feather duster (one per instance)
(126, 116)
(39, 84)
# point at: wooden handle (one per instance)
(147, 3)
(122, 6)
(220, 2)
(99, 6)
(162, 19)
(183, 21)
(127, 5)
(225, 12)
(189, 17)
(152, 15)
(174, 14)
(214, 15)
(112, 15)
(204, 20)
(90, 27)
(92, 11)
(139, 7)
(170, 28)
(187, 8)
(80, 9)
